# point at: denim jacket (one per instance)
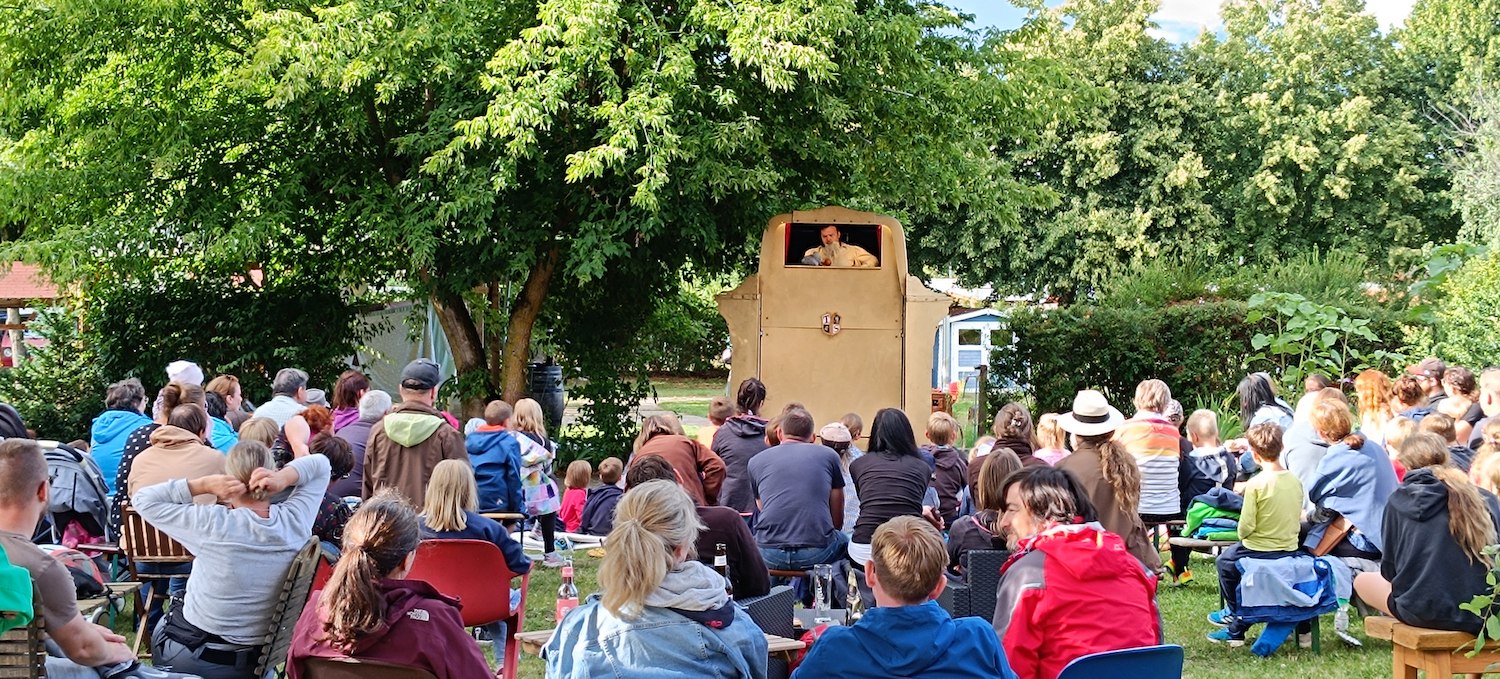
(660, 644)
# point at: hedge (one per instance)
(1200, 349)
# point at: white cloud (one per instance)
(1201, 13)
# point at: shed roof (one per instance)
(24, 284)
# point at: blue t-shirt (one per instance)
(792, 482)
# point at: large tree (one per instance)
(459, 146)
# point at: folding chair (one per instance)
(23, 650)
(475, 573)
(773, 614)
(295, 589)
(1150, 662)
(142, 544)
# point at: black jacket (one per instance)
(741, 438)
(599, 510)
(1430, 574)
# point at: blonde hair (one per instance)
(1372, 391)
(1265, 441)
(652, 522)
(655, 426)
(1203, 425)
(528, 418)
(450, 493)
(1152, 395)
(580, 472)
(609, 470)
(260, 429)
(1049, 433)
(497, 412)
(1469, 518)
(376, 542)
(942, 428)
(1485, 472)
(1396, 433)
(1440, 424)
(244, 458)
(908, 557)
(1333, 422)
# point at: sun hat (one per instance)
(1092, 415)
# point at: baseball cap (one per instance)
(420, 374)
(834, 433)
(1431, 366)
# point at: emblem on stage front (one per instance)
(831, 323)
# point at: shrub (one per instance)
(1200, 349)
(1469, 313)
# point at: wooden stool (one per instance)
(1439, 653)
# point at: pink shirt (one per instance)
(571, 512)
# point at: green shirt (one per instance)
(1273, 512)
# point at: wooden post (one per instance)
(17, 337)
(982, 395)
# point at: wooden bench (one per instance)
(1439, 653)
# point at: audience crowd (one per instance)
(1379, 498)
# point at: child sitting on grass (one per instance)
(1268, 527)
(580, 473)
(599, 508)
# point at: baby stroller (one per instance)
(77, 499)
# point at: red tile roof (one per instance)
(26, 282)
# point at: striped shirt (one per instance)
(1156, 446)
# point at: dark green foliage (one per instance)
(59, 388)
(1199, 348)
(138, 327)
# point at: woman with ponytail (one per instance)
(370, 611)
(741, 437)
(1107, 471)
(1354, 480)
(662, 614)
(1437, 525)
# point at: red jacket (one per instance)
(422, 629)
(1071, 591)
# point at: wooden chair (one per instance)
(23, 651)
(295, 589)
(143, 543)
(353, 668)
(1439, 653)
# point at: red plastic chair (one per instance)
(475, 573)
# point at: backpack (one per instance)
(88, 580)
(76, 491)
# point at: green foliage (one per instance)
(58, 388)
(1201, 349)
(685, 333)
(1309, 338)
(135, 328)
(1476, 174)
(1469, 312)
(1338, 277)
(1483, 604)
(1197, 348)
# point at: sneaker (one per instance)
(1304, 640)
(482, 636)
(552, 560)
(137, 670)
(1184, 577)
(1224, 636)
(1219, 618)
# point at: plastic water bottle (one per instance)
(567, 593)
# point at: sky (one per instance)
(1180, 20)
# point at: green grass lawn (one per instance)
(1183, 609)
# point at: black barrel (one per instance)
(544, 383)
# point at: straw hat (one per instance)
(1092, 415)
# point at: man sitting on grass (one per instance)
(908, 635)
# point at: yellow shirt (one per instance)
(1272, 513)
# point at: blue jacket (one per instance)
(496, 456)
(1356, 484)
(222, 437)
(477, 527)
(908, 641)
(1285, 589)
(660, 644)
(107, 440)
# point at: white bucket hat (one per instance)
(1092, 415)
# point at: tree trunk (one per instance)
(464, 340)
(523, 315)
